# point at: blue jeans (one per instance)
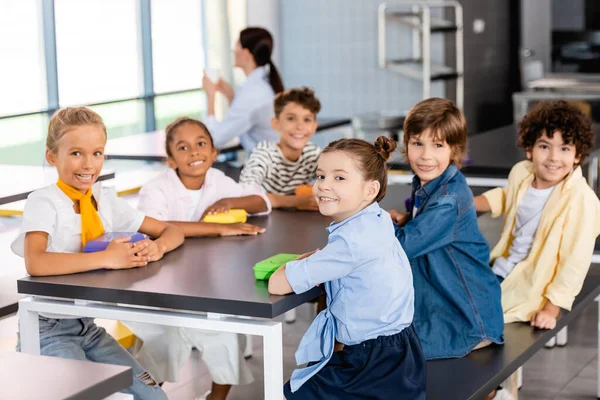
(82, 339)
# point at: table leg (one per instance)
(29, 328)
(561, 337)
(273, 363)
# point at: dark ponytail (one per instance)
(260, 44)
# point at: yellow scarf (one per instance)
(91, 224)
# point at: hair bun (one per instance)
(385, 147)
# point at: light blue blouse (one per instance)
(249, 114)
(369, 288)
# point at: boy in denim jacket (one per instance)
(457, 296)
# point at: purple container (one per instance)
(102, 242)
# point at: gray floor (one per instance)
(560, 373)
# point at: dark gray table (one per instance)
(476, 375)
(151, 146)
(212, 275)
(23, 376)
(205, 274)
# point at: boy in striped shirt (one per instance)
(281, 167)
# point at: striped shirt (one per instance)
(268, 168)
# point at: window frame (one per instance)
(148, 96)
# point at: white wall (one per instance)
(265, 13)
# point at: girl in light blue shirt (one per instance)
(363, 345)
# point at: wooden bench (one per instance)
(479, 373)
(24, 376)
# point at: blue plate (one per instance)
(102, 242)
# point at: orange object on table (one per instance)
(302, 190)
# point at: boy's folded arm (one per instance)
(492, 201)
(433, 228)
(280, 201)
(575, 254)
(293, 201)
(482, 204)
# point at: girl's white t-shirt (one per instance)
(50, 210)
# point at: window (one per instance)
(177, 45)
(22, 69)
(23, 139)
(122, 118)
(168, 107)
(98, 50)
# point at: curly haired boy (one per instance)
(551, 217)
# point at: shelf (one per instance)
(412, 20)
(414, 69)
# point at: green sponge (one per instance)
(265, 268)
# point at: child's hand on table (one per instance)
(240, 229)
(220, 206)
(399, 217)
(152, 250)
(121, 254)
(307, 202)
(546, 317)
(544, 320)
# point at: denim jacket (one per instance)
(457, 296)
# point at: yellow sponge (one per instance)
(231, 217)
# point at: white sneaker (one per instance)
(503, 394)
(204, 396)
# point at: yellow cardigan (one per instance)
(562, 248)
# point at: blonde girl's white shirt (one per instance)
(249, 114)
(167, 199)
(50, 210)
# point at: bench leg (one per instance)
(248, 348)
(512, 385)
(562, 337)
(520, 378)
(290, 316)
(550, 343)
